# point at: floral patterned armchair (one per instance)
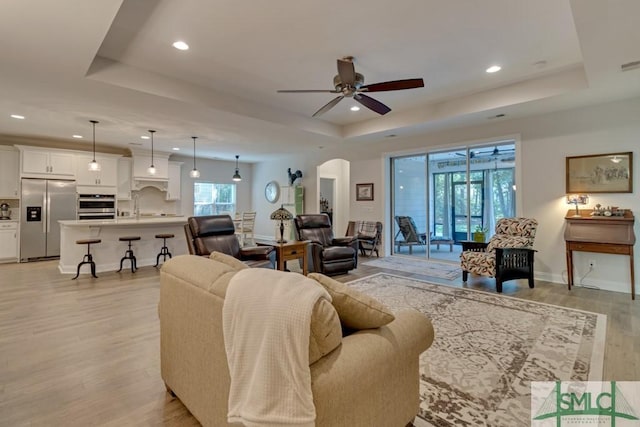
(507, 256)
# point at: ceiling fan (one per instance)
(350, 84)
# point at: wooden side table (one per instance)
(609, 235)
(290, 251)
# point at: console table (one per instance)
(602, 234)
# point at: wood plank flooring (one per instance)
(86, 352)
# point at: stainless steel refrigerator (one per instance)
(44, 202)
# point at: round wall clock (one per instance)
(272, 191)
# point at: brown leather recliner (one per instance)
(327, 255)
(206, 234)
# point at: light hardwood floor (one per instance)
(86, 352)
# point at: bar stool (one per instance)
(129, 253)
(164, 251)
(88, 258)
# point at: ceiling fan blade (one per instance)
(394, 85)
(347, 72)
(308, 91)
(328, 106)
(372, 104)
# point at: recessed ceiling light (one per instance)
(78, 136)
(355, 108)
(176, 149)
(494, 69)
(144, 137)
(17, 116)
(180, 45)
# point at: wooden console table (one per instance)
(602, 234)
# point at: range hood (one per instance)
(141, 177)
(140, 183)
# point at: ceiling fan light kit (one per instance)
(350, 84)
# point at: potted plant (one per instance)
(479, 234)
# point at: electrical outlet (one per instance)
(592, 263)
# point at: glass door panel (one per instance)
(459, 209)
(410, 221)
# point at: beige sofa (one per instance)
(368, 378)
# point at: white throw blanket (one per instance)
(266, 322)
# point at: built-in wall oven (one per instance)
(96, 206)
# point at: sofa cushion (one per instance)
(232, 262)
(355, 309)
(325, 332)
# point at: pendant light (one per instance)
(195, 173)
(236, 176)
(152, 169)
(93, 165)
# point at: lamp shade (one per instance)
(281, 214)
(151, 170)
(195, 173)
(236, 176)
(93, 165)
(577, 199)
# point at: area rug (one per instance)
(488, 348)
(417, 266)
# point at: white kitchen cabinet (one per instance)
(9, 173)
(142, 162)
(8, 241)
(124, 178)
(175, 181)
(107, 176)
(47, 163)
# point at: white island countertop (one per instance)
(156, 220)
(108, 253)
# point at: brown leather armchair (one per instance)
(327, 255)
(206, 234)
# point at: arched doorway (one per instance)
(336, 172)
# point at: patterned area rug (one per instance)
(417, 266)
(488, 348)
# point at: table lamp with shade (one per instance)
(281, 214)
(577, 199)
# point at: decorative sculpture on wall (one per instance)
(294, 176)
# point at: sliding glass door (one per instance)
(441, 198)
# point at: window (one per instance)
(213, 199)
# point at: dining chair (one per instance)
(244, 230)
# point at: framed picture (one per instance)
(600, 173)
(364, 192)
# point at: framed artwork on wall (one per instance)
(600, 173)
(364, 192)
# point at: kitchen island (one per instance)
(108, 253)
